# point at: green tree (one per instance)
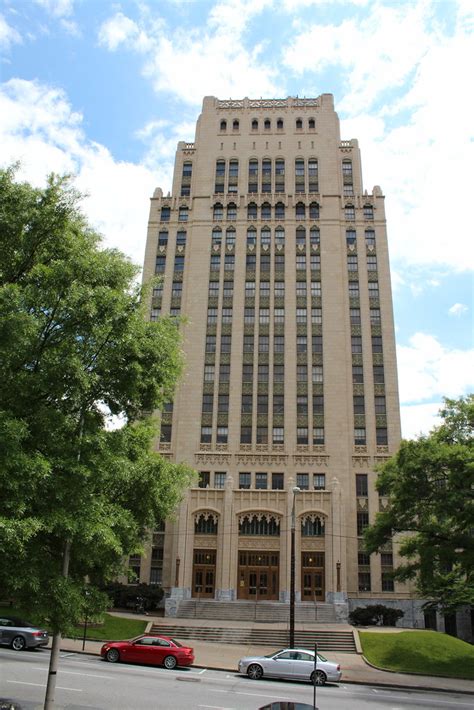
(74, 346)
(430, 489)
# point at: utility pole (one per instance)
(292, 570)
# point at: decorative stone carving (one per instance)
(308, 544)
(260, 516)
(205, 542)
(361, 461)
(212, 459)
(206, 514)
(312, 517)
(251, 459)
(310, 460)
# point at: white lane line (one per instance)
(201, 672)
(66, 655)
(86, 675)
(43, 685)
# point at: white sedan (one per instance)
(292, 663)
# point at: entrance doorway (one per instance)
(204, 574)
(258, 576)
(312, 577)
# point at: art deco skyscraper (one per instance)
(277, 257)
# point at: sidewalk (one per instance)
(225, 657)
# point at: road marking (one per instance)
(201, 672)
(66, 655)
(43, 685)
(87, 675)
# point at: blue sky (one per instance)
(106, 89)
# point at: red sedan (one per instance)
(156, 650)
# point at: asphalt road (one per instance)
(87, 683)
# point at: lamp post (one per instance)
(338, 576)
(292, 570)
(86, 609)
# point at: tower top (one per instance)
(326, 100)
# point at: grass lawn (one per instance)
(426, 652)
(114, 628)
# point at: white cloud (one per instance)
(458, 309)
(61, 10)
(39, 127)
(57, 8)
(294, 5)
(419, 419)
(404, 143)
(428, 370)
(117, 30)
(192, 63)
(368, 49)
(8, 34)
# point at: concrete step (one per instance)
(249, 611)
(327, 640)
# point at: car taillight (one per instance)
(38, 633)
(338, 667)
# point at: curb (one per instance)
(377, 684)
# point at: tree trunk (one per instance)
(53, 661)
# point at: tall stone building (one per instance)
(277, 257)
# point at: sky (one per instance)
(105, 90)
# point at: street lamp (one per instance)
(292, 570)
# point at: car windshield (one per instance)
(176, 643)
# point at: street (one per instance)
(86, 682)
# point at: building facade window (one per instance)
(319, 481)
(302, 481)
(220, 479)
(277, 481)
(245, 481)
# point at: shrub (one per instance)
(126, 595)
(375, 615)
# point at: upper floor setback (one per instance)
(266, 206)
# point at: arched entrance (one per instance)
(258, 564)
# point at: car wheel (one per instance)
(112, 655)
(318, 678)
(254, 671)
(170, 662)
(18, 643)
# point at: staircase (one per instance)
(263, 612)
(342, 641)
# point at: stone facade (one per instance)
(277, 257)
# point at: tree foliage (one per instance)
(74, 346)
(430, 489)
